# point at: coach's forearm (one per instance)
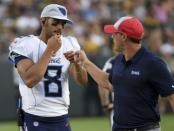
(104, 96)
(98, 75)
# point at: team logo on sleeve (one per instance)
(14, 55)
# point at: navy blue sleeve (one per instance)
(161, 79)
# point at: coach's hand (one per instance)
(107, 108)
(54, 43)
(80, 57)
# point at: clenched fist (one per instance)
(54, 43)
(80, 57)
(70, 56)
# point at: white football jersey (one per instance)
(50, 97)
(108, 68)
(108, 64)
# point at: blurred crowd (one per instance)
(21, 17)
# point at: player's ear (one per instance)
(43, 20)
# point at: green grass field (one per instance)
(94, 124)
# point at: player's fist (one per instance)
(54, 43)
(70, 56)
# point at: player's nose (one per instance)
(58, 27)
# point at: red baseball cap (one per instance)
(131, 26)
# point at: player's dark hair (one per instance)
(43, 22)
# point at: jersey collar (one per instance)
(135, 58)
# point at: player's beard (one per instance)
(48, 34)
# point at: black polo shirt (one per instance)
(137, 84)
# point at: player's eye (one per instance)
(55, 22)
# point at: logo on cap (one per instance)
(55, 11)
(62, 10)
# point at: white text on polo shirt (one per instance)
(172, 86)
(135, 73)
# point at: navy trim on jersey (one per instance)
(14, 58)
(17, 59)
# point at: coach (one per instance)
(138, 78)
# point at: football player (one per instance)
(44, 63)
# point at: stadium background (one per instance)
(21, 17)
